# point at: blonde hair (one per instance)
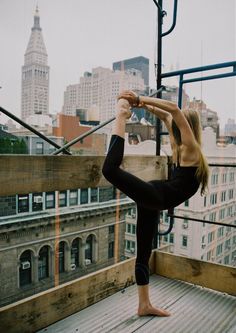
(203, 171)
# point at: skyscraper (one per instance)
(35, 74)
(140, 63)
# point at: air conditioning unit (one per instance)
(132, 250)
(25, 264)
(73, 267)
(38, 199)
(203, 245)
(87, 261)
(185, 226)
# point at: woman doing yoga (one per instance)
(189, 173)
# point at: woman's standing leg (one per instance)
(146, 222)
(145, 229)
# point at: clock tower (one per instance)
(35, 74)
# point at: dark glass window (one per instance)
(75, 252)
(23, 203)
(89, 247)
(43, 271)
(111, 250)
(84, 196)
(25, 268)
(94, 194)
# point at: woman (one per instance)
(190, 172)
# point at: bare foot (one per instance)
(150, 310)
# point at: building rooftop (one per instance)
(193, 309)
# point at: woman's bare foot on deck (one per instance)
(151, 310)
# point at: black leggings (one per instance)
(148, 200)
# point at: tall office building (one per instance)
(99, 89)
(35, 74)
(140, 63)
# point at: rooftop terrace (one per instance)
(105, 300)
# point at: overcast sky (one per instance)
(80, 35)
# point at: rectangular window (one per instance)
(73, 199)
(231, 177)
(171, 238)
(37, 203)
(226, 260)
(106, 194)
(224, 178)
(219, 249)
(184, 241)
(83, 196)
(23, 203)
(212, 216)
(223, 196)
(50, 200)
(133, 229)
(213, 198)
(227, 244)
(211, 237)
(209, 255)
(231, 194)
(220, 232)
(222, 214)
(39, 148)
(186, 203)
(62, 199)
(128, 228)
(94, 194)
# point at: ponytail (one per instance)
(202, 173)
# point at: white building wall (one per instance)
(100, 89)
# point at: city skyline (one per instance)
(73, 53)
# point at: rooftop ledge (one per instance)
(190, 305)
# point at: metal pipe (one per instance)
(211, 77)
(199, 69)
(21, 122)
(202, 221)
(174, 20)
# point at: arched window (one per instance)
(89, 248)
(61, 254)
(25, 268)
(43, 262)
(75, 253)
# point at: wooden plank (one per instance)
(43, 309)
(24, 174)
(214, 276)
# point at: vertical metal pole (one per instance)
(158, 82)
(159, 68)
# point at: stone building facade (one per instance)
(39, 250)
